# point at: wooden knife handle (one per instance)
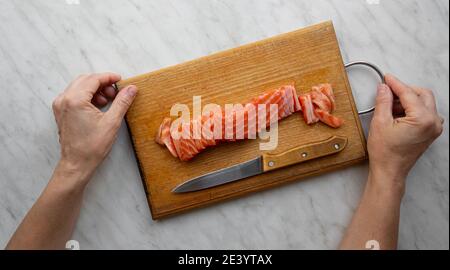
(303, 153)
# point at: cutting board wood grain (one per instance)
(307, 57)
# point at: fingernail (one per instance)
(132, 91)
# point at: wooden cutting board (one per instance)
(308, 57)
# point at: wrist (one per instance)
(72, 175)
(386, 183)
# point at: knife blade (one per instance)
(264, 163)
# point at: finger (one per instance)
(122, 102)
(105, 79)
(427, 97)
(408, 98)
(56, 106)
(90, 84)
(383, 106)
(99, 100)
(57, 103)
(109, 92)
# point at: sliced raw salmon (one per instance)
(321, 101)
(308, 109)
(328, 118)
(244, 123)
(163, 136)
(327, 90)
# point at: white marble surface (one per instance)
(46, 43)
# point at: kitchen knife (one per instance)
(264, 163)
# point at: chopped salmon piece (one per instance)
(308, 109)
(328, 118)
(321, 101)
(327, 90)
(164, 137)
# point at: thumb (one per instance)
(122, 102)
(384, 103)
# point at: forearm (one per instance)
(50, 222)
(86, 135)
(377, 216)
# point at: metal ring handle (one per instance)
(372, 66)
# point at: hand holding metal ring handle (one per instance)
(372, 66)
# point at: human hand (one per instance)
(395, 144)
(86, 134)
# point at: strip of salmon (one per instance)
(318, 105)
(163, 136)
(327, 90)
(321, 101)
(308, 109)
(329, 119)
